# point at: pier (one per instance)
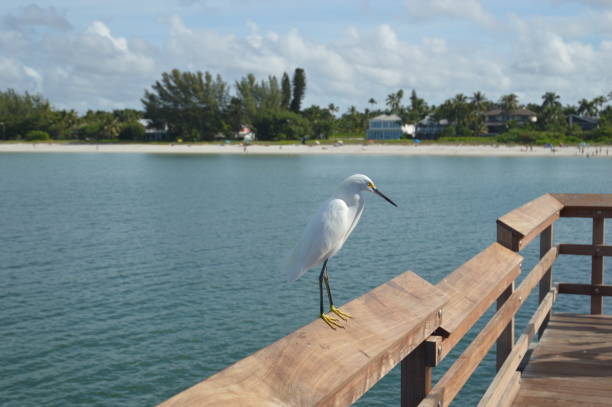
(558, 358)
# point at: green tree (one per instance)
(281, 125)
(509, 103)
(286, 90)
(190, 104)
(322, 121)
(299, 89)
(132, 131)
(21, 113)
(586, 108)
(551, 113)
(394, 101)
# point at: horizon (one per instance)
(103, 55)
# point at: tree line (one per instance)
(197, 106)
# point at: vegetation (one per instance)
(196, 106)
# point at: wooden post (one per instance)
(505, 342)
(597, 266)
(415, 377)
(546, 241)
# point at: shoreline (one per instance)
(311, 149)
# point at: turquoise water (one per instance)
(125, 278)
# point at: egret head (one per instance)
(363, 182)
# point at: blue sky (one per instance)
(102, 54)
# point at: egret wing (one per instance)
(324, 234)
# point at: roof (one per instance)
(387, 118)
(587, 119)
(518, 112)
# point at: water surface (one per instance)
(126, 278)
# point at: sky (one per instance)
(103, 54)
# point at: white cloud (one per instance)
(97, 68)
(98, 28)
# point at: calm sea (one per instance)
(126, 278)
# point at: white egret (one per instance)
(325, 234)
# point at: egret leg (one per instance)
(343, 315)
(331, 321)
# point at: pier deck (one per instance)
(572, 364)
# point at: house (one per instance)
(497, 120)
(430, 128)
(384, 127)
(245, 133)
(584, 122)
(153, 133)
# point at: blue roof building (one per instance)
(384, 127)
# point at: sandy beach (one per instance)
(295, 149)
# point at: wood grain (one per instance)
(455, 377)
(498, 387)
(471, 289)
(572, 365)
(316, 366)
(528, 221)
(585, 205)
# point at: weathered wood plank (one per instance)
(471, 289)
(509, 394)
(571, 366)
(455, 377)
(496, 390)
(319, 366)
(528, 221)
(546, 242)
(585, 249)
(585, 289)
(585, 205)
(505, 342)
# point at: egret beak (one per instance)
(377, 192)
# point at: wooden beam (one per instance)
(585, 249)
(528, 221)
(597, 265)
(494, 394)
(585, 289)
(455, 377)
(511, 391)
(505, 342)
(546, 242)
(471, 289)
(415, 377)
(585, 205)
(316, 365)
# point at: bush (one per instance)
(448, 131)
(132, 131)
(36, 135)
(281, 125)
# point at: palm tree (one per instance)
(509, 103)
(586, 107)
(551, 109)
(333, 108)
(394, 101)
(478, 101)
(598, 103)
(372, 102)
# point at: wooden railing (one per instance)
(411, 322)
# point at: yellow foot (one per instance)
(331, 321)
(340, 313)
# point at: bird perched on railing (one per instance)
(325, 234)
